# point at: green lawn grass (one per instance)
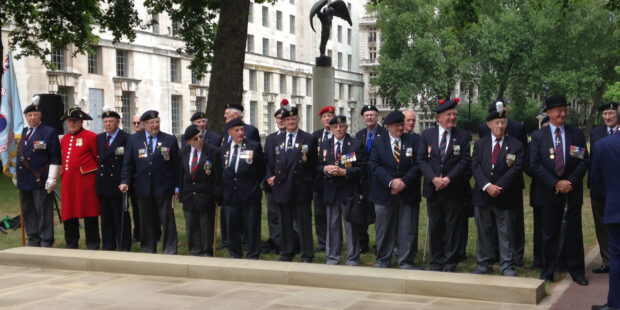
(9, 205)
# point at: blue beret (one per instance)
(609, 106)
(110, 114)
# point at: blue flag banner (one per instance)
(11, 119)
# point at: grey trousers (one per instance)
(199, 227)
(38, 211)
(333, 246)
(396, 221)
(320, 219)
(496, 235)
(153, 208)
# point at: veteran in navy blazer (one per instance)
(597, 189)
(39, 160)
(607, 150)
(200, 189)
(151, 165)
(370, 116)
(497, 164)
(395, 192)
(559, 160)
(445, 161)
(234, 111)
(342, 163)
(115, 221)
(209, 137)
(242, 173)
(290, 173)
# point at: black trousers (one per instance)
(598, 212)
(538, 257)
(519, 232)
(155, 210)
(199, 228)
(115, 224)
(273, 223)
(243, 222)
(91, 230)
(135, 214)
(320, 219)
(445, 230)
(38, 210)
(572, 251)
(287, 213)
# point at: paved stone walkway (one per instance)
(35, 288)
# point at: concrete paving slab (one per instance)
(201, 288)
(242, 299)
(29, 294)
(366, 304)
(323, 299)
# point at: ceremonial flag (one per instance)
(11, 120)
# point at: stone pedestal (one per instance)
(322, 90)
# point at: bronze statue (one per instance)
(326, 10)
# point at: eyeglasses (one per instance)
(136, 123)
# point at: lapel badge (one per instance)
(551, 153)
(428, 150)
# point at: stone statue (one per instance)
(326, 10)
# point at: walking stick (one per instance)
(214, 231)
(425, 240)
(21, 220)
(56, 205)
(562, 233)
(125, 208)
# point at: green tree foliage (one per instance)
(613, 93)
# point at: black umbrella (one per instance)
(562, 233)
(56, 205)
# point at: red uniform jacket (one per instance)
(79, 166)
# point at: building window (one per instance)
(265, 16)
(201, 104)
(59, 59)
(372, 53)
(195, 79)
(294, 90)
(155, 21)
(349, 36)
(339, 34)
(349, 62)
(266, 47)
(251, 14)
(372, 98)
(175, 29)
(282, 84)
(266, 82)
(175, 113)
(252, 79)
(339, 60)
(340, 91)
(175, 70)
(126, 116)
(253, 112)
(309, 87)
(349, 6)
(279, 49)
(350, 92)
(372, 36)
(270, 110)
(329, 53)
(94, 60)
(122, 63)
(64, 93)
(250, 43)
(292, 52)
(279, 20)
(291, 22)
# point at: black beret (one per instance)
(150, 114)
(279, 112)
(369, 108)
(609, 106)
(340, 119)
(198, 115)
(394, 117)
(493, 105)
(234, 123)
(235, 105)
(190, 132)
(110, 114)
(292, 112)
(493, 115)
(446, 105)
(75, 113)
(554, 101)
(31, 108)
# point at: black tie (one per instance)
(338, 152)
(150, 146)
(325, 135)
(289, 146)
(107, 141)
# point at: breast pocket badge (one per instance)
(248, 155)
(39, 145)
(577, 152)
(119, 151)
(304, 152)
(551, 153)
(165, 152)
(207, 167)
(457, 150)
(510, 159)
(142, 153)
(409, 152)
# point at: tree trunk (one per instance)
(226, 80)
(598, 97)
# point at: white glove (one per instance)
(52, 175)
(14, 179)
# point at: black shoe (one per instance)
(581, 280)
(601, 269)
(285, 259)
(548, 278)
(305, 260)
(364, 249)
(603, 307)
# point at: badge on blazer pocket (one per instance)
(348, 159)
(428, 150)
(409, 152)
(248, 155)
(457, 150)
(304, 152)
(510, 159)
(119, 151)
(577, 152)
(551, 153)
(207, 167)
(79, 142)
(142, 153)
(39, 145)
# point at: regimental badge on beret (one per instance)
(327, 109)
(107, 112)
(609, 106)
(340, 119)
(369, 108)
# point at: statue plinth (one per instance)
(323, 61)
(323, 92)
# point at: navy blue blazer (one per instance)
(46, 152)
(456, 166)
(268, 152)
(383, 169)
(597, 189)
(361, 135)
(355, 165)
(151, 175)
(203, 188)
(514, 130)
(243, 186)
(294, 178)
(110, 162)
(607, 150)
(543, 166)
(318, 179)
(251, 133)
(506, 173)
(210, 137)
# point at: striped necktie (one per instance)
(559, 152)
(194, 165)
(396, 152)
(443, 144)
